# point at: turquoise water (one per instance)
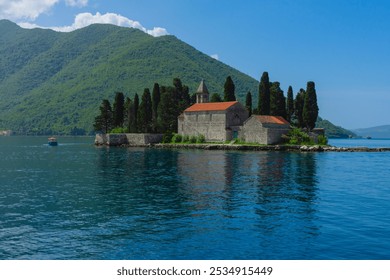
(78, 201)
(361, 142)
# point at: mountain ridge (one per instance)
(53, 82)
(56, 81)
(381, 131)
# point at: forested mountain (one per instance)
(53, 83)
(334, 131)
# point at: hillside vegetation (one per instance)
(53, 83)
(334, 131)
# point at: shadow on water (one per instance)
(213, 204)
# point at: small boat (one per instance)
(52, 141)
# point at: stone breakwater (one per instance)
(152, 140)
(288, 148)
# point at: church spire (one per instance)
(202, 94)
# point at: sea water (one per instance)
(78, 201)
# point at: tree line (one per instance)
(301, 112)
(157, 111)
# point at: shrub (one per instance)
(193, 139)
(177, 138)
(298, 137)
(186, 138)
(118, 130)
(201, 139)
(322, 140)
(167, 137)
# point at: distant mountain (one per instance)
(53, 83)
(334, 131)
(382, 131)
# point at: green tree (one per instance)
(277, 100)
(104, 121)
(167, 110)
(118, 109)
(215, 97)
(156, 96)
(127, 115)
(263, 107)
(136, 106)
(298, 108)
(248, 102)
(145, 112)
(290, 104)
(229, 90)
(182, 95)
(310, 107)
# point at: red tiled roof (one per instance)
(211, 106)
(271, 119)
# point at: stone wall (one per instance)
(210, 124)
(5, 132)
(214, 125)
(254, 131)
(119, 139)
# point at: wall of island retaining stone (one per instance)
(122, 139)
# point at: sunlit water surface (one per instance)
(78, 201)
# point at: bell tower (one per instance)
(202, 94)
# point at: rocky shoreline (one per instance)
(280, 148)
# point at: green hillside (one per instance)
(333, 131)
(53, 83)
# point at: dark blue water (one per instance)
(77, 201)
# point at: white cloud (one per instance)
(24, 9)
(215, 56)
(27, 11)
(157, 32)
(76, 3)
(85, 19)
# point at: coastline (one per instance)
(243, 147)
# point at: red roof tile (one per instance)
(271, 119)
(211, 106)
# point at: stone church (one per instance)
(225, 121)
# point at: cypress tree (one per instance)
(310, 107)
(136, 106)
(145, 112)
(298, 107)
(263, 107)
(118, 109)
(182, 95)
(167, 110)
(104, 121)
(290, 104)
(277, 100)
(248, 102)
(127, 114)
(155, 101)
(215, 97)
(229, 90)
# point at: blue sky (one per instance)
(343, 45)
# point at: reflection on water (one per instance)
(84, 202)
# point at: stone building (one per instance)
(217, 121)
(224, 121)
(264, 129)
